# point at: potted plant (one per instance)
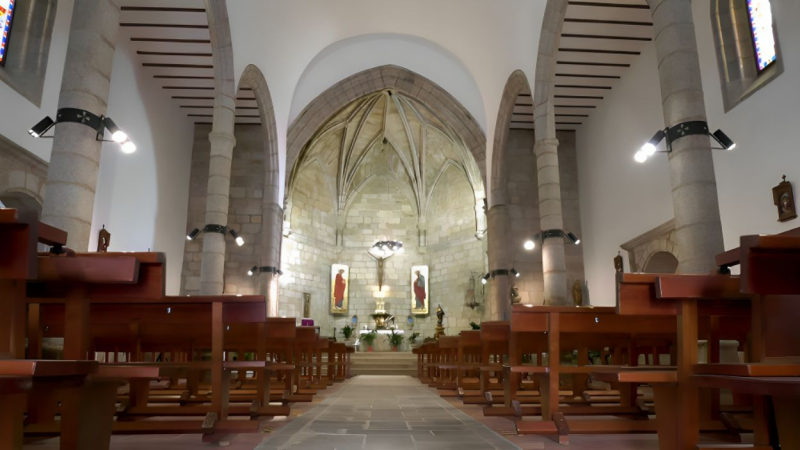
(395, 340)
(369, 339)
(347, 332)
(413, 339)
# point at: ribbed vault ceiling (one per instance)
(387, 134)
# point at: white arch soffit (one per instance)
(254, 79)
(350, 56)
(517, 84)
(544, 79)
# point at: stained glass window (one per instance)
(6, 13)
(760, 12)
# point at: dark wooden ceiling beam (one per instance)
(146, 53)
(587, 63)
(163, 25)
(180, 66)
(182, 77)
(189, 88)
(604, 36)
(172, 41)
(585, 97)
(582, 86)
(162, 9)
(572, 115)
(600, 51)
(610, 22)
(583, 75)
(607, 5)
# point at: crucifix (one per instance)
(381, 262)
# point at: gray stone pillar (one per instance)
(212, 268)
(272, 237)
(554, 264)
(498, 304)
(698, 230)
(75, 159)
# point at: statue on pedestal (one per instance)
(439, 322)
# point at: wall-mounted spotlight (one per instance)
(573, 238)
(485, 278)
(193, 234)
(264, 269)
(213, 228)
(529, 245)
(98, 123)
(672, 134)
(514, 272)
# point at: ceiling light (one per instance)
(514, 272)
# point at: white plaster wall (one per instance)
(621, 199)
(490, 40)
(141, 198)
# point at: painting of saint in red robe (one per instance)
(419, 290)
(339, 288)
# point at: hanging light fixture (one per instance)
(672, 134)
(98, 123)
(385, 249)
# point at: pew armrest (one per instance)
(749, 370)
(773, 386)
(634, 375)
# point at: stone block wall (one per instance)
(571, 208)
(247, 189)
(22, 174)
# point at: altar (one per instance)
(381, 343)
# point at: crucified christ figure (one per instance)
(381, 262)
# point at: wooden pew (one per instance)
(708, 305)
(586, 328)
(448, 366)
(769, 273)
(469, 361)
(494, 350)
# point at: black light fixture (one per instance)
(192, 234)
(573, 238)
(41, 127)
(514, 272)
(268, 269)
(98, 123)
(485, 278)
(214, 228)
(692, 128)
(723, 140)
(529, 245)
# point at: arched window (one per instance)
(740, 27)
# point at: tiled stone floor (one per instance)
(385, 412)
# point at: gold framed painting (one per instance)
(420, 294)
(340, 288)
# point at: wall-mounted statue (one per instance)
(783, 197)
(514, 294)
(618, 263)
(340, 280)
(577, 293)
(103, 240)
(307, 305)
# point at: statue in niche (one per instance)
(439, 315)
(577, 293)
(307, 305)
(514, 294)
(618, 263)
(103, 240)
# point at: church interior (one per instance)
(353, 224)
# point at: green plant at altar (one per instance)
(369, 339)
(413, 338)
(347, 331)
(395, 340)
(474, 326)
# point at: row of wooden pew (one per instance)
(558, 370)
(136, 361)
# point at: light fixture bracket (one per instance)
(498, 272)
(214, 228)
(547, 234)
(691, 128)
(269, 269)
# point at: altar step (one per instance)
(384, 363)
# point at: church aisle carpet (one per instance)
(385, 412)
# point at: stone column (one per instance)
(554, 264)
(272, 238)
(75, 159)
(498, 303)
(212, 269)
(698, 230)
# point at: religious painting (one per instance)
(420, 297)
(340, 288)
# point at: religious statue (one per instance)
(514, 294)
(381, 263)
(618, 265)
(339, 288)
(439, 323)
(577, 293)
(103, 240)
